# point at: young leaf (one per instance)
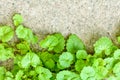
(79, 64)
(67, 75)
(17, 19)
(61, 43)
(49, 42)
(25, 62)
(30, 59)
(50, 64)
(6, 33)
(117, 54)
(116, 69)
(44, 74)
(26, 34)
(103, 45)
(81, 54)
(109, 62)
(24, 47)
(98, 62)
(21, 32)
(6, 53)
(101, 72)
(47, 59)
(35, 60)
(66, 59)
(74, 44)
(87, 73)
(19, 75)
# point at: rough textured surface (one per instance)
(89, 19)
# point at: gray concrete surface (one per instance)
(89, 19)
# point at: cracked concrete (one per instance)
(89, 19)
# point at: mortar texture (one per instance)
(89, 19)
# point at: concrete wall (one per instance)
(89, 19)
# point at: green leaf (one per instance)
(67, 75)
(19, 75)
(98, 62)
(25, 62)
(101, 72)
(117, 54)
(50, 64)
(21, 32)
(109, 62)
(66, 59)
(26, 34)
(9, 74)
(103, 45)
(6, 33)
(47, 59)
(79, 64)
(74, 44)
(61, 43)
(17, 19)
(45, 56)
(6, 54)
(49, 42)
(44, 73)
(116, 69)
(87, 73)
(30, 59)
(35, 60)
(81, 54)
(24, 47)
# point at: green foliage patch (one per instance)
(58, 58)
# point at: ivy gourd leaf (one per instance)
(25, 62)
(24, 47)
(17, 19)
(35, 60)
(101, 72)
(6, 53)
(49, 42)
(21, 32)
(6, 33)
(81, 54)
(98, 62)
(19, 75)
(30, 59)
(79, 64)
(117, 54)
(47, 59)
(50, 64)
(116, 69)
(26, 34)
(45, 56)
(87, 73)
(66, 59)
(61, 43)
(103, 45)
(74, 44)
(9, 74)
(109, 62)
(44, 73)
(67, 75)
